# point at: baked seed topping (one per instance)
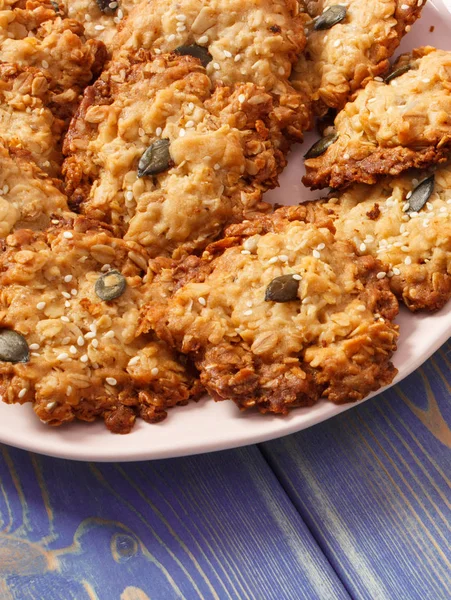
(282, 289)
(397, 72)
(105, 6)
(331, 17)
(155, 159)
(110, 286)
(321, 146)
(421, 194)
(13, 347)
(197, 51)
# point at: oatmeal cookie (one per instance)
(340, 58)
(280, 314)
(26, 124)
(100, 18)
(37, 36)
(390, 127)
(74, 293)
(414, 245)
(239, 41)
(28, 197)
(166, 160)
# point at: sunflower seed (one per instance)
(110, 286)
(397, 72)
(282, 289)
(197, 51)
(331, 17)
(105, 7)
(321, 146)
(13, 347)
(155, 159)
(421, 194)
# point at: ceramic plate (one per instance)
(209, 425)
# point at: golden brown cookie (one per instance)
(166, 160)
(390, 127)
(74, 294)
(280, 314)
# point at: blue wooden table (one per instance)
(357, 507)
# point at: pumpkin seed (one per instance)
(197, 51)
(282, 289)
(331, 17)
(421, 194)
(155, 159)
(110, 285)
(321, 146)
(105, 6)
(397, 72)
(13, 347)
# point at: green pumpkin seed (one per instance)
(197, 51)
(397, 72)
(13, 347)
(421, 194)
(105, 6)
(321, 146)
(110, 286)
(155, 159)
(331, 17)
(282, 289)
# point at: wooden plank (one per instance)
(373, 486)
(214, 526)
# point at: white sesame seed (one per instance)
(370, 238)
(182, 132)
(90, 335)
(128, 196)
(216, 167)
(65, 340)
(247, 313)
(180, 17)
(246, 252)
(93, 328)
(426, 223)
(68, 390)
(51, 405)
(35, 354)
(87, 18)
(84, 358)
(337, 43)
(241, 98)
(62, 356)
(249, 303)
(396, 271)
(390, 273)
(203, 39)
(45, 64)
(216, 66)
(378, 79)
(227, 54)
(237, 57)
(316, 254)
(171, 37)
(73, 350)
(80, 340)
(55, 221)
(22, 392)
(381, 274)
(68, 235)
(99, 27)
(202, 301)
(34, 346)
(95, 343)
(321, 246)
(362, 247)
(40, 305)
(109, 334)
(273, 260)
(189, 124)
(361, 307)
(407, 260)
(405, 207)
(68, 278)
(105, 268)
(154, 371)
(405, 218)
(283, 258)
(408, 195)
(404, 6)
(133, 361)
(67, 304)
(111, 381)
(158, 131)
(405, 248)
(420, 2)
(297, 277)
(65, 319)
(426, 80)
(66, 295)
(181, 27)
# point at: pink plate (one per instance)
(209, 425)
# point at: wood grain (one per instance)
(216, 526)
(373, 485)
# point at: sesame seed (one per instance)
(405, 248)
(34, 346)
(203, 39)
(45, 64)
(73, 350)
(65, 340)
(90, 335)
(426, 80)
(316, 254)
(55, 221)
(128, 196)
(227, 54)
(158, 131)
(237, 58)
(390, 273)
(247, 313)
(93, 327)
(51, 405)
(216, 66)
(189, 124)
(62, 356)
(181, 27)
(216, 167)
(65, 319)
(84, 358)
(283, 258)
(35, 354)
(408, 195)
(273, 260)
(40, 305)
(155, 371)
(95, 343)
(337, 43)
(362, 247)
(171, 37)
(361, 307)
(182, 132)
(133, 361)
(202, 301)
(321, 246)
(180, 17)
(249, 303)
(381, 274)
(111, 381)
(405, 207)
(246, 252)
(396, 271)
(68, 278)
(241, 98)
(68, 390)
(404, 6)
(426, 223)
(68, 235)
(22, 392)
(80, 340)
(370, 238)
(109, 334)
(297, 277)
(105, 268)
(65, 295)
(67, 304)
(378, 79)
(99, 27)
(407, 260)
